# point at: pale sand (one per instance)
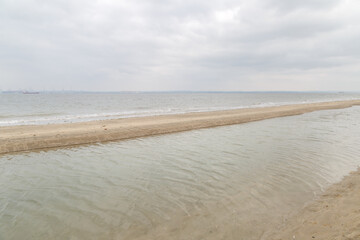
(334, 216)
(23, 138)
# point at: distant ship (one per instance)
(27, 92)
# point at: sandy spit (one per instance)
(335, 215)
(24, 138)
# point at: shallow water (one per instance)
(232, 182)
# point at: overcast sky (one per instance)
(209, 45)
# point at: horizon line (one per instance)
(173, 91)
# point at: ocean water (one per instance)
(232, 182)
(45, 108)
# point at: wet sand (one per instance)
(24, 138)
(334, 215)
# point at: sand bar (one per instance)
(32, 137)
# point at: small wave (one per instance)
(56, 117)
(29, 115)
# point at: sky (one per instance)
(174, 45)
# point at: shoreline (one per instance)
(34, 137)
(335, 214)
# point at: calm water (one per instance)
(232, 182)
(20, 109)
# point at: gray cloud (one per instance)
(180, 45)
(303, 4)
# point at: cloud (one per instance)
(286, 6)
(179, 45)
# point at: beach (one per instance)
(31, 137)
(180, 120)
(272, 179)
(333, 215)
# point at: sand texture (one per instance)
(24, 138)
(334, 216)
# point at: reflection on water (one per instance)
(227, 182)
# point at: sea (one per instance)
(47, 108)
(231, 182)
